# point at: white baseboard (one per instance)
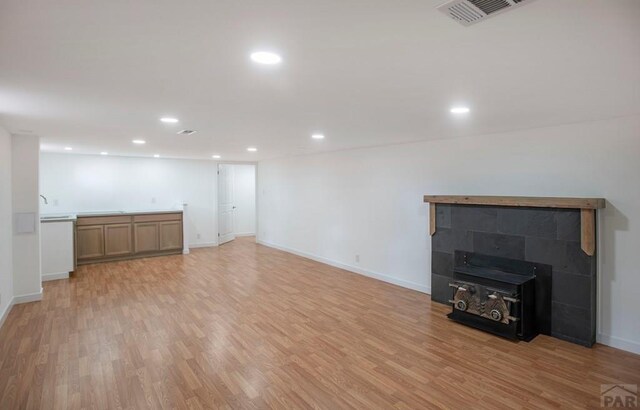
(612, 341)
(619, 343)
(32, 297)
(55, 276)
(4, 314)
(203, 245)
(354, 269)
(245, 234)
(214, 244)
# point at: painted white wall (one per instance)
(368, 202)
(244, 194)
(83, 183)
(25, 157)
(6, 237)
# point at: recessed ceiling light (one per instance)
(139, 142)
(317, 136)
(216, 156)
(265, 57)
(156, 155)
(104, 153)
(68, 148)
(169, 120)
(252, 149)
(460, 110)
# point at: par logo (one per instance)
(619, 395)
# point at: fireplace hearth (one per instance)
(500, 295)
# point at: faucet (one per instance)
(45, 199)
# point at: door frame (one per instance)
(229, 191)
(217, 202)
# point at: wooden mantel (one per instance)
(587, 208)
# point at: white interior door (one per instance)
(226, 205)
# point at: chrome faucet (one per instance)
(45, 199)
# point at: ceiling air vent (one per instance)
(468, 12)
(186, 132)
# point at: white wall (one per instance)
(83, 183)
(244, 196)
(368, 202)
(6, 238)
(25, 157)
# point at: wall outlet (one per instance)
(55, 202)
(358, 258)
(198, 236)
(153, 200)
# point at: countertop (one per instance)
(136, 212)
(57, 218)
(71, 216)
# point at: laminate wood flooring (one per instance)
(246, 326)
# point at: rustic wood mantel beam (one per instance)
(588, 231)
(587, 208)
(432, 219)
(539, 202)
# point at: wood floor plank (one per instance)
(243, 326)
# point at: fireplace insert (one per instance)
(506, 297)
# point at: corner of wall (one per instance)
(6, 234)
(34, 297)
(364, 272)
(31, 297)
(619, 343)
(5, 313)
(25, 191)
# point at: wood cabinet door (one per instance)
(146, 237)
(170, 235)
(117, 240)
(90, 241)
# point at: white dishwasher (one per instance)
(57, 243)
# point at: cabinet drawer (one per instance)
(103, 220)
(158, 217)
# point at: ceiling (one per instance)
(95, 74)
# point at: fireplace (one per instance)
(506, 297)
(548, 242)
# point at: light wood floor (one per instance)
(246, 326)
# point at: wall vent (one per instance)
(468, 12)
(186, 132)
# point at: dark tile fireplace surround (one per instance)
(548, 236)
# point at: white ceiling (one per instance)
(95, 74)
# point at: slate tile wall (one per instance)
(543, 235)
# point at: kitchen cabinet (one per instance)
(90, 241)
(117, 240)
(109, 236)
(170, 235)
(146, 237)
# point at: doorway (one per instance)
(236, 201)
